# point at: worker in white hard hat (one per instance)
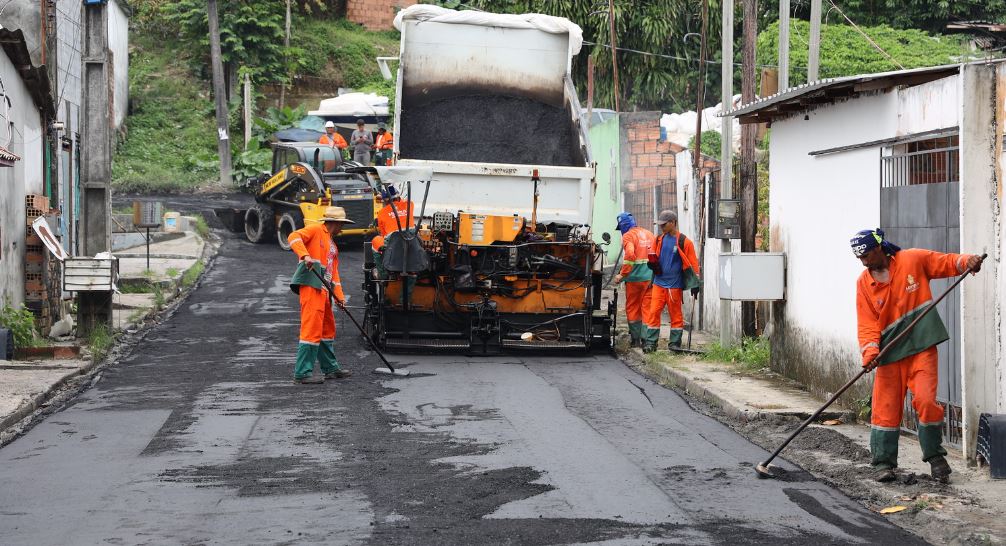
(333, 138)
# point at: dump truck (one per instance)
(305, 178)
(491, 145)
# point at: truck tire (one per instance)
(289, 222)
(260, 223)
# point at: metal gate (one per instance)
(919, 208)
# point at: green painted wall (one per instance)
(604, 143)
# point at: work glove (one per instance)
(869, 355)
(695, 291)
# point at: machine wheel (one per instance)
(289, 222)
(260, 223)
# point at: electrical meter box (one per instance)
(728, 219)
(147, 214)
(753, 276)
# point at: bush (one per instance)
(21, 322)
(750, 353)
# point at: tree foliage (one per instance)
(927, 15)
(845, 52)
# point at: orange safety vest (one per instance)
(386, 222)
(685, 249)
(636, 246)
(385, 141)
(336, 141)
(315, 241)
(884, 310)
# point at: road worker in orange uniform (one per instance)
(637, 243)
(394, 206)
(315, 246)
(890, 294)
(676, 269)
(383, 145)
(333, 138)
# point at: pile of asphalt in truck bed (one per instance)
(489, 129)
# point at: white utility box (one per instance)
(752, 276)
(85, 274)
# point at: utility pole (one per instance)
(286, 48)
(814, 55)
(95, 308)
(247, 110)
(783, 45)
(220, 96)
(614, 50)
(749, 169)
(697, 180)
(726, 152)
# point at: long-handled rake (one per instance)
(388, 369)
(764, 469)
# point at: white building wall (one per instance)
(118, 44)
(816, 204)
(27, 173)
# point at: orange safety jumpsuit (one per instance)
(386, 222)
(885, 310)
(336, 140)
(317, 323)
(662, 297)
(636, 246)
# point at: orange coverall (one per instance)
(636, 245)
(670, 298)
(386, 222)
(336, 141)
(885, 310)
(317, 324)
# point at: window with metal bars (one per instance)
(929, 161)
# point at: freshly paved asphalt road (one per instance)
(200, 437)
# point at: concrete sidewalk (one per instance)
(767, 407)
(27, 385)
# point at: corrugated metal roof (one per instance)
(804, 96)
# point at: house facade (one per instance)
(918, 153)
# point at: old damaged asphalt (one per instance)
(199, 437)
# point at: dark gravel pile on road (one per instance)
(489, 129)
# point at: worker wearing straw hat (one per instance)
(315, 246)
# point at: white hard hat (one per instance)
(329, 124)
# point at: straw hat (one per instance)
(336, 214)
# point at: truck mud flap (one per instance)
(232, 219)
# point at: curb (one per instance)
(695, 389)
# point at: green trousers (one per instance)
(651, 336)
(308, 354)
(884, 445)
(636, 331)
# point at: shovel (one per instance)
(388, 369)
(764, 469)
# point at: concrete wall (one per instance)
(604, 141)
(26, 16)
(981, 195)
(118, 45)
(816, 204)
(375, 14)
(25, 174)
(68, 91)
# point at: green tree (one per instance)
(251, 34)
(845, 52)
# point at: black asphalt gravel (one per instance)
(200, 437)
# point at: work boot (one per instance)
(940, 469)
(649, 348)
(884, 475)
(338, 374)
(308, 380)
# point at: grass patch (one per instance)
(172, 272)
(159, 299)
(171, 143)
(138, 288)
(192, 274)
(201, 227)
(100, 341)
(342, 51)
(751, 354)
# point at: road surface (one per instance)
(200, 437)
